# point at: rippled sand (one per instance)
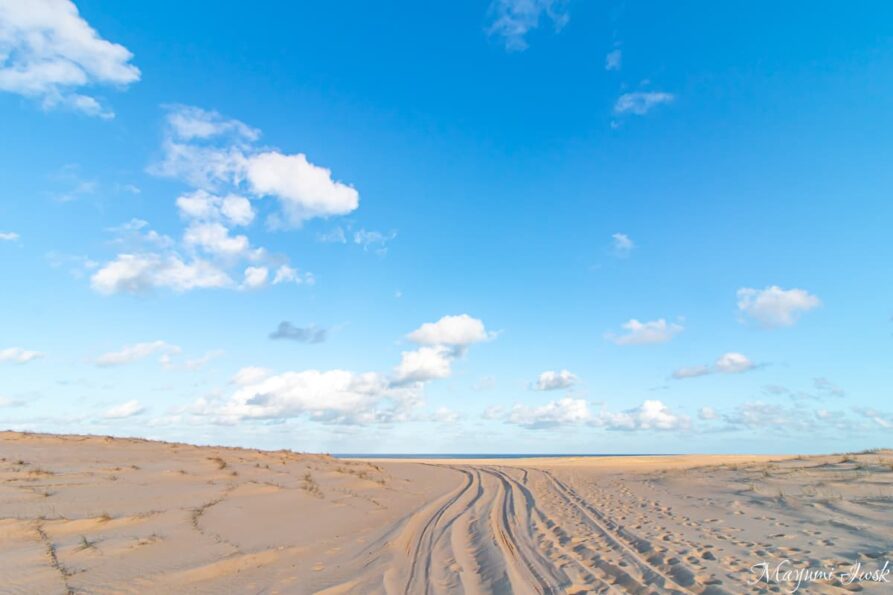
(105, 515)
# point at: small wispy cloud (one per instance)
(645, 333)
(622, 245)
(511, 20)
(8, 236)
(614, 60)
(133, 353)
(727, 363)
(18, 355)
(640, 103)
(127, 409)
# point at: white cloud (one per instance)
(644, 333)
(561, 412)
(132, 353)
(334, 236)
(128, 409)
(650, 415)
(773, 306)
(614, 60)
(733, 363)
(333, 396)
(727, 363)
(691, 372)
(188, 123)
(707, 413)
(255, 277)
(554, 380)
(17, 355)
(250, 375)
(218, 158)
(641, 102)
(424, 364)
(8, 236)
(513, 19)
(303, 189)
(884, 421)
(454, 331)
(214, 238)
(287, 274)
(445, 415)
(138, 273)
(623, 245)
(204, 206)
(48, 51)
(197, 363)
(375, 241)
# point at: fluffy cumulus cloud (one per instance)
(126, 409)
(453, 331)
(333, 396)
(555, 413)
(773, 306)
(511, 20)
(303, 189)
(650, 415)
(211, 152)
(229, 175)
(424, 364)
(441, 343)
(18, 355)
(640, 103)
(138, 351)
(48, 52)
(554, 380)
(646, 333)
(341, 396)
(727, 363)
(142, 272)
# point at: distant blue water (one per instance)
(367, 455)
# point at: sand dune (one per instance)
(104, 515)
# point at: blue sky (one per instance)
(507, 226)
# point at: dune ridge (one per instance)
(114, 515)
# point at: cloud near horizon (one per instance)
(345, 397)
(650, 415)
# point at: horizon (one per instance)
(521, 227)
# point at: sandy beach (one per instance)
(85, 514)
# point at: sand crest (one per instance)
(105, 515)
